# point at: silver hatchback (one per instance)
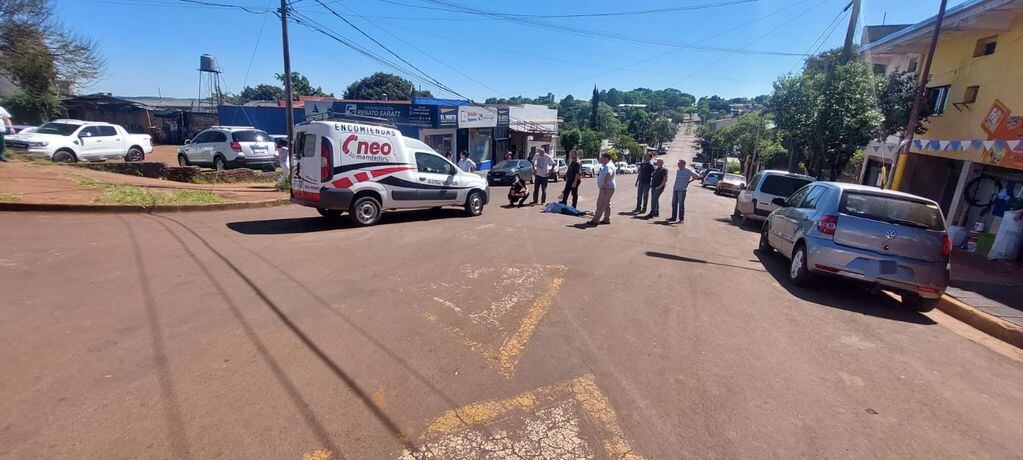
(892, 240)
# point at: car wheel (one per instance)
(64, 156)
(365, 211)
(474, 204)
(268, 168)
(183, 160)
(765, 243)
(329, 213)
(799, 275)
(134, 154)
(219, 163)
(918, 303)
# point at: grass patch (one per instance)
(8, 197)
(133, 194)
(29, 158)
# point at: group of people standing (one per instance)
(651, 181)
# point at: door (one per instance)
(92, 143)
(191, 149)
(215, 143)
(112, 143)
(438, 180)
(745, 201)
(309, 161)
(785, 220)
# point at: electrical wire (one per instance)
(591, 15)
(823, 37)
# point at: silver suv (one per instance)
(223, 147)
(892, 240)
(755, 201)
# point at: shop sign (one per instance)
(447, 117)
(476, 117)
(416, 115)
(503, 116)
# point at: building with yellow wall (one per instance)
(971, 153)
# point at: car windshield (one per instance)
(783, 186)
(714, 175)
(735, 178)
(250, 136)
(62, 129)
(893, 209)
(507, 165)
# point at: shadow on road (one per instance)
(678, 258)
(751, 227)
(841, 294)
(321, 224)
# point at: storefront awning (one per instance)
(524, 126)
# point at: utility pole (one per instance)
(853, 18)
(288, 116)
(921, 90)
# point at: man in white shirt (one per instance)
(605, 190)
(542, 167)
(5, 128)
(683, 178)
(466, 164)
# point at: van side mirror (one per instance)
(780, 202)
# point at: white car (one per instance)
(560, 169)
(223, 147)
(589, 166)
(364, 169)
(631, 169)
(68, 141)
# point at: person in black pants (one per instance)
(518, 192)
(542, 167)
(572, 179)
(658, 183)
(646, 173)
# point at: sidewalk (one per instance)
(994, 287)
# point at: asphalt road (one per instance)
(273, 334)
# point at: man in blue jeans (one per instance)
(658, 182)
(683, 178)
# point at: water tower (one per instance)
(210, 94)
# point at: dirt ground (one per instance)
(31, 182)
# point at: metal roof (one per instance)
(966, 16)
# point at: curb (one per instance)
(984, 322)
(129, 208)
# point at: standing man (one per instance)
(5, 128)
(542, 167)
(465, 164)
(572, 179)
(646, 173)
(683, 178)
(658, 183)
(606, 189)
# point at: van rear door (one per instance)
(306, 181)
(891, 224)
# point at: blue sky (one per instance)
(153, 46)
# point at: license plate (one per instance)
(887, 267)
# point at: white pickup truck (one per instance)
(68, 141)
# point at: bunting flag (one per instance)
(1001, 145)
(976, 144)
(876, 148)
(1013, 144)
(919, 144)
(942, 146)
(988, 145)
(934, 145)
(955, 145)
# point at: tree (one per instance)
(663, 130)
(895, 96)
(624, 143)
(300, 86)
(375, 86)
(42, 58)
(262, 92)
(570, 139)
(594, 104)
(613, 97)
(589, 143)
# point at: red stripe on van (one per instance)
(307, 196)
(362, 177)
(386, 171)
(343, 182)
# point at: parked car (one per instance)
(631, 169)
(504, 172)
(364, 168)
(755, 203)
(282, 143)
(699, 167)
(712, 178)
(730, 184)
(622, 167)
(68, 141)
(560, 169)
(891, 240)
(589, 166)
(24, 129)
(223, 147)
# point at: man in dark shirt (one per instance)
(518, 192)
(658, 182)
(646, 173)
(572, 179)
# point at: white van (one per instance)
(365, 168)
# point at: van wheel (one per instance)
(329, 213)
(918, 303)
(219, 163)
(799, 274)
(182, 160)
(365, 211)
(474, 204)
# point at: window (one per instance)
(985, 46)
(107, 131)
(201, 137)
(911, 67)
(880, 69)
(892, 209)
(216, 136)
(971, 94)
(307, 145)
(62, 129)
(813, 197)
(250, 136)
(782, 186)
(89, 131)
(433, 164)
(936, 99)
(756, 179)
(796, 199)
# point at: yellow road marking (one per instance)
(321, 454)
(506, 358)
(583, 390)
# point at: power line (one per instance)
(823, 37)
(591, 15)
